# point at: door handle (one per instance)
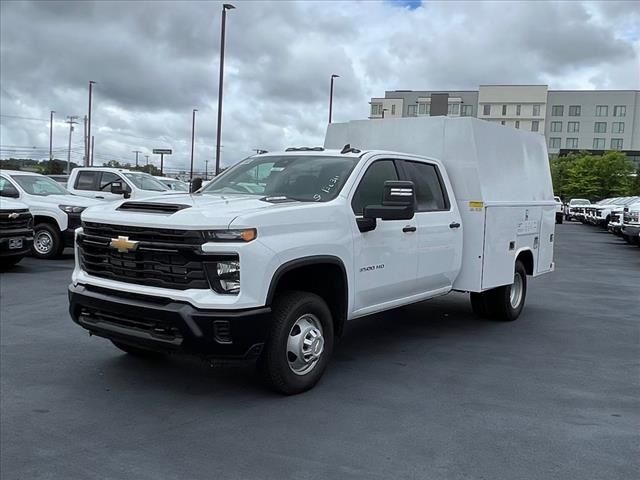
(409, 228)
(454, 225)
(98, 196)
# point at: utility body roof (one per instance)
(485, 161)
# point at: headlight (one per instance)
(71, 208)
(224, 275)
(244, 235)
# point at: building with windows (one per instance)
(570, 120)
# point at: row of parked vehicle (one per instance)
(619, 215)
(38, 215)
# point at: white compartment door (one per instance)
(547, 239)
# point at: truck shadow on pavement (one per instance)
(379, 336)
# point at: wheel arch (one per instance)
(37, 218)
(526, 257)
(324, 275)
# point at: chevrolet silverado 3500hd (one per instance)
(274, 256)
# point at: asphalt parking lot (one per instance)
(424, 392)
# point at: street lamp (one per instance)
(193, 136)
(51, 135)
(225, 7)
(333, 75)
(86, 140)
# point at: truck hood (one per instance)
(11, 204)
(69, 199)
(199, 211)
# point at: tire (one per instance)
(301, 323)
(47, 241)
(136, 351)
(8, 262)
(503, 305)
(559, 219)
(479, 304)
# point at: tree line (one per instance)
(583, 175)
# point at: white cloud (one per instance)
(155, 61)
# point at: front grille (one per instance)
(22, 221)
(143, 234)
(162, 258)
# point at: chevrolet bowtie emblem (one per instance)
(123, 244)
(14, 215)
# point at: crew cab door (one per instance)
(438, 223)
(384, 258)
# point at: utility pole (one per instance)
(85, 158)
(206, 168)
(89, 154)
(137, 152)
(147, 157)
(92, 145)
(71, 121)
(51, 135)
(193, 137)
(225, 7)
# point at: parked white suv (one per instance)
(56, 212)
(278, 252)
(114, 184)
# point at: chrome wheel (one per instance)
(517, 289)
(305, 344)
(43, 242)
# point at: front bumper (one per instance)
(8, 235)
(630, 230)
(160, 324)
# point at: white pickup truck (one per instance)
(16, 231)
(112, 184)
(275, 255)
(56, 213)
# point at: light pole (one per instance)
(51, 135)
(225, 7)
(333, 75)
(147, 157)
(88, 149)
(193, 137)
(136, 152)
(71, 121)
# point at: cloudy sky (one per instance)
(155, 61)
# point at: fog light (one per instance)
(224, 275)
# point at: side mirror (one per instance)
(10, 193)
(118, 189)
(398, 202)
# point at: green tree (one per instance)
(593, 176)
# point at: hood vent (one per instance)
(149, 207)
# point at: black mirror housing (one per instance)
(118, 189)
(398, 202)
(10, 193)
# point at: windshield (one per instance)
(176, 185)
(308, 178)
(39, 185)
(580, 201)
(144, 181)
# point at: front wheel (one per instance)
(47, 241)
(300, 343)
